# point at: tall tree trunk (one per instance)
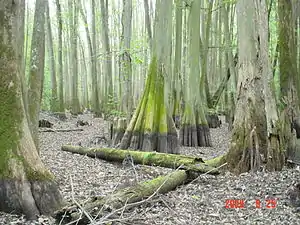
(177, 77)
(151, 127)
(204, 87)
(148, 22)
(108, 55)
(36, 74)
(54, 99)
(287, 59)
(250, 119)
(95, 92)
(194, 130)
(59, 57)
(275, 157)
(125, 60)
(26, 186)
(74, 46)
(84, 76)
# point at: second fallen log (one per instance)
(122, 197)
(173, 161)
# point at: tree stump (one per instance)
(213, 120)
(45, 123)
(60, 115)
(118, 130)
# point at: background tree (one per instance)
(274, 154)
(73, 4)
(54, 97)
(59, 56)
(151, 127)
(125, 60)
(36, 74)
(194, 131)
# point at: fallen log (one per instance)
(45, 123)
(61, 130)
(120, 200)
(215, 162)
(189, 163)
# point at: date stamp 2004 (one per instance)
(241, 203)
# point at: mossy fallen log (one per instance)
(214, 162)
(173, 161)
(127, 196)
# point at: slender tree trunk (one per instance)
(148, 22)
(59, 57)
(177, 77)
(54, 99)
(36, 74)
(194, 130)
(275, 157)
(125, 60)
(108, 57)
(74, 55)
(84, 75)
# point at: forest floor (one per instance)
(200, 202)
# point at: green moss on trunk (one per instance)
(10, 107)
(26, 187)
(151, 128)
(239, 155)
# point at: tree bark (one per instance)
(54, 100)
(250, 107)
(26, 186)
(108, 65)
(125, 59)
(275, 157)
(36, 74)
(194, 130)
(152, 128)
(289, 81)
(59, 58)
(74, 55)
(148, 23)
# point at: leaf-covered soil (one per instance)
(201, 202)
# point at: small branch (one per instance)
(61, 130)
(79, 206)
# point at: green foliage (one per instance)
(137, 52)
(111, 108)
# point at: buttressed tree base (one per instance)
(26, 186)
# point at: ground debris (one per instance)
(200, 202)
